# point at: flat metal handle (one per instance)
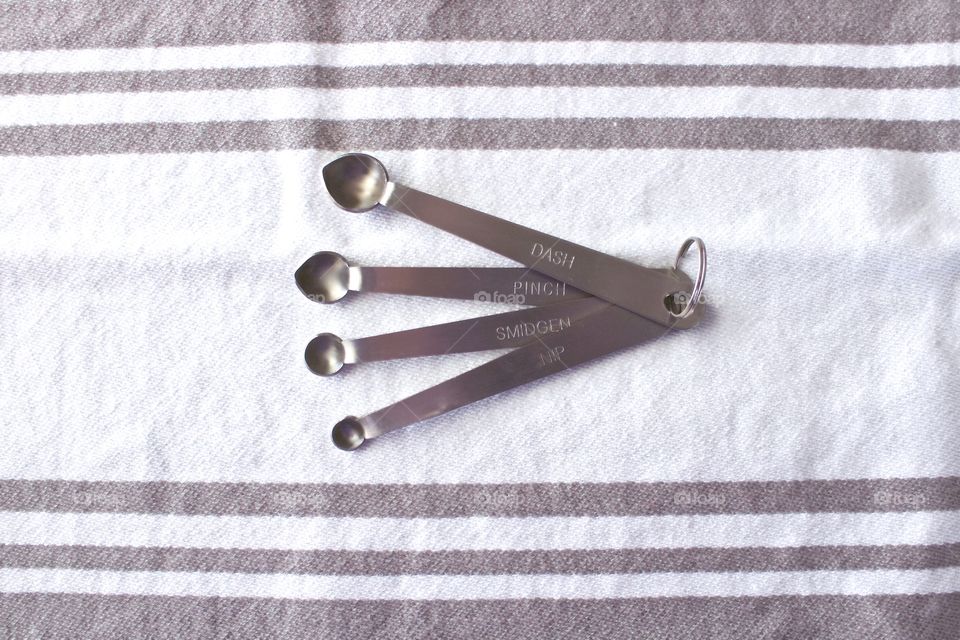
(604, 331)
(359, 182)
(326, 277)
(326, 354)
(506, 285)
(631, 286)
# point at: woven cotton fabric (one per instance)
(787, 469)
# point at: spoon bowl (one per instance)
(324, 354)
(324, 277)
(356, 181)
(348, 434)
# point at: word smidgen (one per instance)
(525, 329)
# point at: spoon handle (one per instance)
(619, 281)
(497, 331)
(510, 285)
(608, 329)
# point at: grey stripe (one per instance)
(46, 615)
(567, 561)
(580, 133)
(458, 500)
(121, 23)
(519, 75)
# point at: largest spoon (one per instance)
(359, 182)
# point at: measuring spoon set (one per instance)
(582, 304)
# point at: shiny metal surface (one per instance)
(694, 299)
(326, 277)
(327, 354)
(358, 182)
(348, 434)
(604, 331)
(633, 304)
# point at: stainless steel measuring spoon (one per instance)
(326, 277)
(327, 354)
(608, 329)
(359, 182)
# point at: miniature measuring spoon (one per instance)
(327, 277)
(607, 330)
(604, 331)
(327, 354)
(359, 182)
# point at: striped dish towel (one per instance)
(788, 469)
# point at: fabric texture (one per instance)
(790, 468)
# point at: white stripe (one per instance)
(426, 587)
(778, 530)
(202, 248)
(478, 52)
(480, 102)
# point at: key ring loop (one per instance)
(701, 274)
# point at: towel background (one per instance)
(789, 468)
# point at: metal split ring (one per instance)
(701, 275)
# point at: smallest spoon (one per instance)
(348, 434)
